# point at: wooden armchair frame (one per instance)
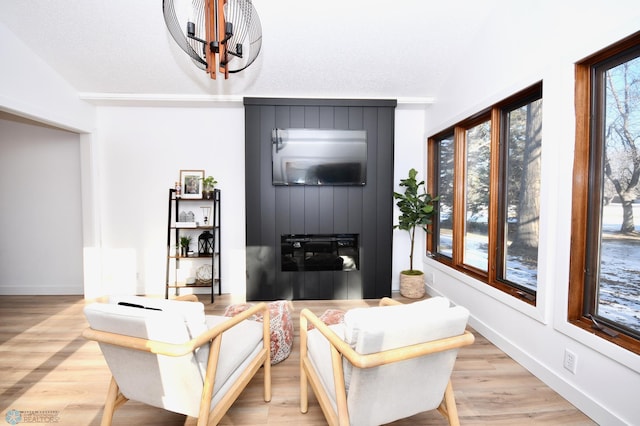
(213, 336)
(340, 349)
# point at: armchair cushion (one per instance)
(240, 344)
(157, 386)
(357, 325)
(319, 353)
(175, 322)
(379, 328)
(191, 313)
(379, 395)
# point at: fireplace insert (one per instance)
(320, 252)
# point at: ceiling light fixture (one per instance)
(219, 35)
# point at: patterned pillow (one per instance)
(329, 317)
(281, 326)
(233, 310)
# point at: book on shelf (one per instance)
(186, 224)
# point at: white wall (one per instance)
(30, 88)
(124, 229)
(408, 153)
(41, 226)
(607, 380)
(47, 228)
(140, 151)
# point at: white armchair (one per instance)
(383, 363)
(169, 354)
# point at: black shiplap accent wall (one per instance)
(276, 210)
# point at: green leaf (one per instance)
(416, 208)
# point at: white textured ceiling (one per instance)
(332, 48)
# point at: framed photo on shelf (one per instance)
(191, 182)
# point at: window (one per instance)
(475, 251)
(605, 251)
(486, 171)
(520, 208)
(444, 169)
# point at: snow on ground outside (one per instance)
(619, 274)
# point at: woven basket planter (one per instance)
(412, 286)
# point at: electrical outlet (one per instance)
(570, 361)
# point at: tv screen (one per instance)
(319, 157)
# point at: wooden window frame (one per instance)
(583, 175)
(495, 115)
(523, 98)
(459, 199)
(433, 177)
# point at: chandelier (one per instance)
(219, 35)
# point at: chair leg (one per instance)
(267, 379)
(304, 392)
(304, 385)
(448, 406)
(266, 330)
(114, 400)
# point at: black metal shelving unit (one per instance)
(177, 260)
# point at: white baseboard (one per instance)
(40, 291)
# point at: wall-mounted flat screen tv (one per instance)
(319, 157)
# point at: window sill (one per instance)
(514, 301)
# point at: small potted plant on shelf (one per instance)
(185, 241)
(416, 209)
(208, 185)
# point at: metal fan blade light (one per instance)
(219, 35)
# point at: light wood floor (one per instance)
(46, 367)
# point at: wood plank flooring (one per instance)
(48, 369)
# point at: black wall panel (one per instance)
(273, 211)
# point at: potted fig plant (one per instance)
(208, 185)
(416, 209)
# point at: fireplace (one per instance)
(312, 241)
(320, 252)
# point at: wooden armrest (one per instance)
(408, 352)
(187, 298)
(173, 349)
(389, 356)
(334, 339)
(138, 343)
(387, 301)
(210, 334)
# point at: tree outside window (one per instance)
(521, 210)
(617, 285)
(486, 171)
(605, 263)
